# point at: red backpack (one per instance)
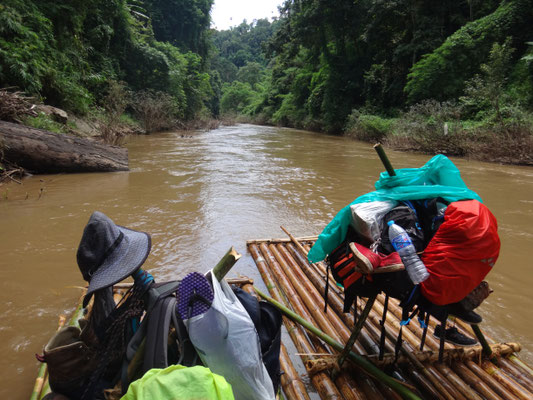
(461, 253)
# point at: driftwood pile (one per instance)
(15, 105)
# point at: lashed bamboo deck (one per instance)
(464, 374)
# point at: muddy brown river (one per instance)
(199, 193)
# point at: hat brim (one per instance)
(127, 258)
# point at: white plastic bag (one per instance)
(367, 217)
(227, 342)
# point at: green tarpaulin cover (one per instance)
(439, 177)
(180, 383)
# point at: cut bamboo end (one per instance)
(295, 241)
(226, 263)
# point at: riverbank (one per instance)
(111, 125)
(436, 128)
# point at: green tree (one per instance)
(486, 92)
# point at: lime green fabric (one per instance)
(180, 383)
(439, 177)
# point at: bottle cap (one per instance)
(390, 222)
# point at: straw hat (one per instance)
(109, 253)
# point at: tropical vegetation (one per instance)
(447, 76)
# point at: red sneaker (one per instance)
(366, 259)
(392, 260)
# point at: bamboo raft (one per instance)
(467, 373)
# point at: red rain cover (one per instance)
(461, 253)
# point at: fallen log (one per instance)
(40, 151)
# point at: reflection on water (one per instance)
(198, 196)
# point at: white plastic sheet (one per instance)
(227, 342)
(367, 217)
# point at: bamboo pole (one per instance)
(486, 348)
(241, 281)
(418, 365)
(299, 281)
(226, 262)
(384, 159)
(424, 384)
(358, 360)
(516, 373)
(473, 380)
(356, 330)
(388, 393)
(429, 356)
(424, 370)
(281, 240)
(370, 390)
(458, 353)
(509, 383)
(414, 327)
(457, 382)
(490, 381)
(334, 300)
(286, 286)
(445, 383)
(515, 360)
(322, 382)
(304, 287)
(295, 241)
(310, 299)
(292, 384)
(343, 381)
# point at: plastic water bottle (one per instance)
(404, 246)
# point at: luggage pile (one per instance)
(188, 339)
(453, 233)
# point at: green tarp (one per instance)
(180, 383)
(439, 177)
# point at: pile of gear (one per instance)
(188, 339)
(455, 243)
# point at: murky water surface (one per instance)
(198, 194)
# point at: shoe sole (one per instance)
(464, 320)
(361, 261)
(456, 344)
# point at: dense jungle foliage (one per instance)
(70, 52)
(449, 76)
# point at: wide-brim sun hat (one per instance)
(109, 253)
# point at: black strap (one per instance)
(442, 337)
(406, 317)
(382, 323)
(355, 309)
(326, 290)
(155, 351)
(160, 309)
(425, 331)
(107, 253)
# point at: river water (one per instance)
(198, 194)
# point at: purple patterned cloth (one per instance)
(195, 295)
